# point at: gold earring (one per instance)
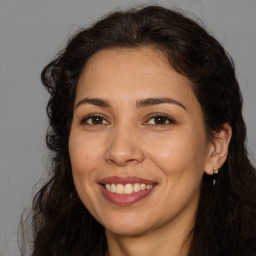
(215, 171)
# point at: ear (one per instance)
(218, 149)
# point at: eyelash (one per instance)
(160, 115)
(84, 121)
(165, 118)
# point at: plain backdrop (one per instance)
(33, 31)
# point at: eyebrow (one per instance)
(154, 101)
(139, 104)
(94, 101)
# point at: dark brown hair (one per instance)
(226, 217)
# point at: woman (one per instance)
(148, 138)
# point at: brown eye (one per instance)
(94, 120)
(97, 120)
(160, 120)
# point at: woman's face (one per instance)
(137, 144)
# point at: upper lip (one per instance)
(125, 180)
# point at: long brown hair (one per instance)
(226, 217)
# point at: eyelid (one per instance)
(153, 115)
(85, 118)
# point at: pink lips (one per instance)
(125, 199)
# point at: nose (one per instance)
(124, 148)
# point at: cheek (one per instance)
(178, 154)
(84, 157)
(84, 153)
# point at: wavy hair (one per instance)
(225, 222)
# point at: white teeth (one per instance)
(127, 188)
(108, 187)
(113, 188)
(119, 188)
(142, 186)
(136, 187)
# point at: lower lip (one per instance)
(125, 199)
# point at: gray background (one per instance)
(32, 32)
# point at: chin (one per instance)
(126, 230)
(128, 225)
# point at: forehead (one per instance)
(132, 69)
(134, 62)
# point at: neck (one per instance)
(171, 241)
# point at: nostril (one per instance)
(122, 163)
(131, 161)
(123, 151)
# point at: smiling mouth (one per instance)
(126, 189)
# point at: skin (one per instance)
(128, 140)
